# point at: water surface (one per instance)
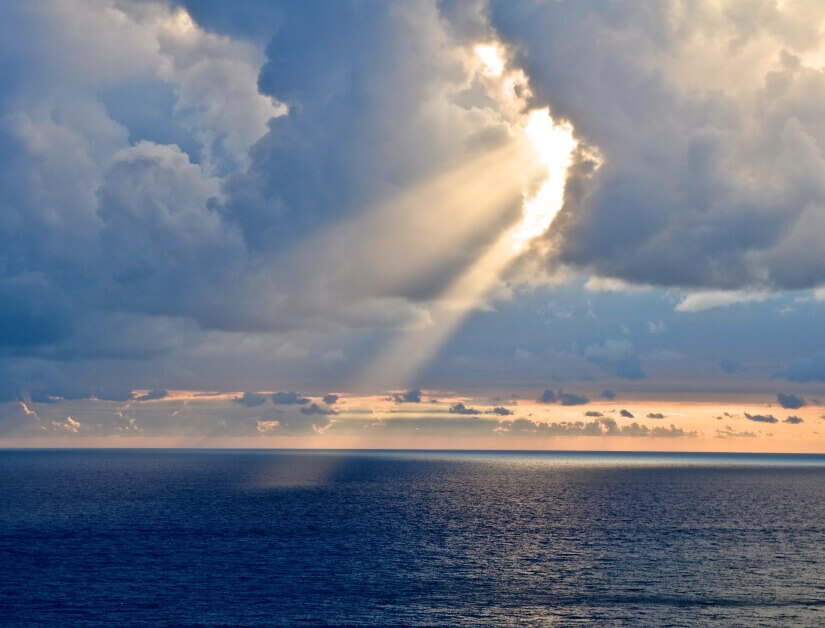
(290, 537)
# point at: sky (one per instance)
(559, 224)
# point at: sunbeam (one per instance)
(398, 364)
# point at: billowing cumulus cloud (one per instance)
(150, 165)
(712, 171)
(198, 199)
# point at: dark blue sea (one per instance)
(410, 538)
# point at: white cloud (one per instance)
(710, 299)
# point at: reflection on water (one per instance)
(411, 537)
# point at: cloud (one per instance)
(793, 420)
(789, 401)
(116, 394)
(695, 187)
(616, 356)
(288, 398)
(626, 414)
(599, 427)
(806, 369)
(608, 394)
(761, 418)
(460, 408)
(18, 417)
(729, 432)
(701, 301)
(500, 411)
(315, 408)
(153, 395)
(548, 396)
(593, 413)
(411, 396)
(187, 198)
(571, 399)
(330, 399)
(154, 163)
(251, 399)
(655, 415)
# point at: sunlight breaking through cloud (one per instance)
(553, 145)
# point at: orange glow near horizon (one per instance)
(380, 422)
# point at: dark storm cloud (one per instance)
(251, 399)
(288, 398)
(793, 420)
(626, 414)
(761, 418)
(789, 401)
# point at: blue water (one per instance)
(261, 537)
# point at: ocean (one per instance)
(410, 538)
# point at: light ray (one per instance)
(398, 364)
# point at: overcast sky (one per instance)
(472, 203)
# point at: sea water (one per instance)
(382, 538)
